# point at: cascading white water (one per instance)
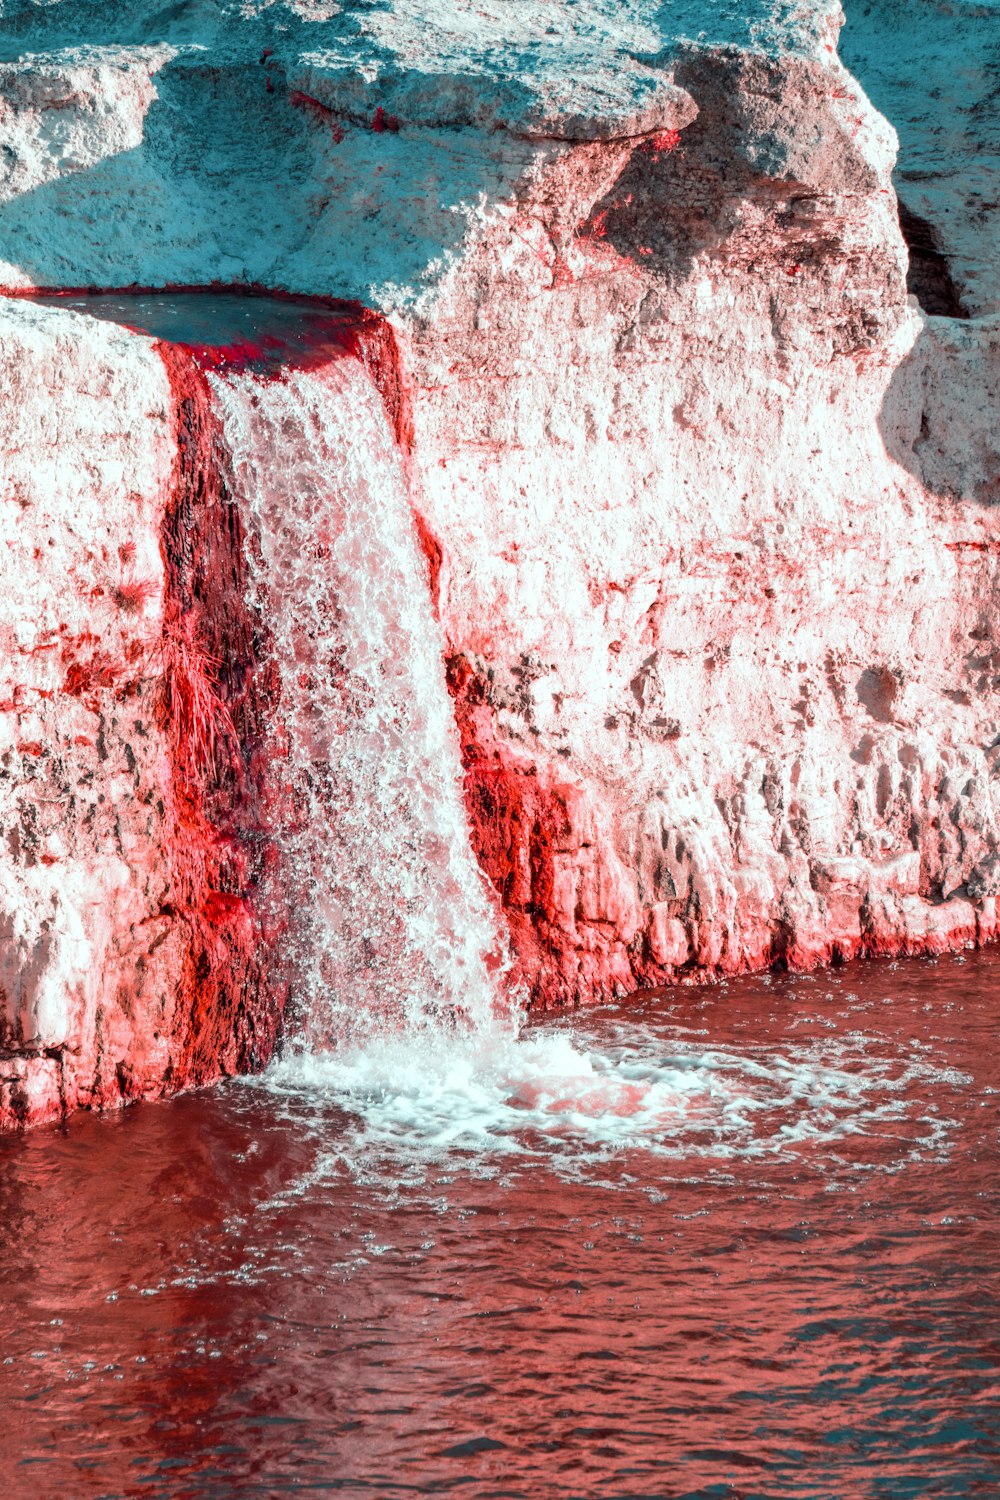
(393, 953)
(392, 933)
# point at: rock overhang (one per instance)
(350, 149)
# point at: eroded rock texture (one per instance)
(709, 500)
(130, 956)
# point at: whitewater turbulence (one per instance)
(391, 953)
(391, 930)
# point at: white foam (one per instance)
(577, 1097)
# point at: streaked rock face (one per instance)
(708, 500)
(129, 961)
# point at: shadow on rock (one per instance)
(240, 177)
(764, 181)
(939, 418)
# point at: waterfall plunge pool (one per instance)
(777, 1277)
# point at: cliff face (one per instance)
(708, 500)
(728, 657)
(129, 961)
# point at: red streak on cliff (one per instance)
(515, 820)
(318, 111)
(431, 548)
(662, 142)
(210, 706)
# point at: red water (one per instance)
(232, 1294)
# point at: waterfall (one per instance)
(392, 931)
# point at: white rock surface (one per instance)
(86, 454)
(714, 499)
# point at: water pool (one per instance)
(725, 1242)
(227, 328)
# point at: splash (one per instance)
(392, 932)
(586, 1092)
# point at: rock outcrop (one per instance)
(709, 500)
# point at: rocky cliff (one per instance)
(708, 498)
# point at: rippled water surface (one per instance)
(733, 1242)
